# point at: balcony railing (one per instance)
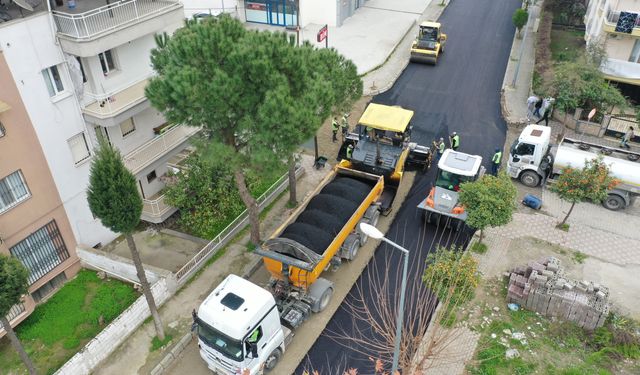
(144, 155)
(109, 17)
(155, 207)
(115, 102)
(625, 71)
(614, 16)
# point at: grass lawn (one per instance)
(549, 346)
(567, 45)
(60, 327)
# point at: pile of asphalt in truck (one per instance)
(327, 213)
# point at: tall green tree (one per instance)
(113, 198)
(520, 18)
(581, 184)
(489, 201)
(13, 284)
(257, 96)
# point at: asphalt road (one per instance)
(461, 93)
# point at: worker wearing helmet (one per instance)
(334, 129)
(454, 141)
(349, 152)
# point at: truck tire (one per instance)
(324, 300)
(272, 360)
(350, 247)
(371, 217)
(530, 178)
(613, 202)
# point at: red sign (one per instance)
(323, 33)
(257, 6)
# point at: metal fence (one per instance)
(232, 229)
(15, 311)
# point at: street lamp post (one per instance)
(373, 232)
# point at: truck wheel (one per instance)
(350, 247)
(613, 202)
(370, 218)
(324, 300)
(530, 178)
(272, 360)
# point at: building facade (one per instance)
(291, 13)
(615, 24)
(78, 75)
(33, 223)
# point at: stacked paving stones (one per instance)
(543, 287)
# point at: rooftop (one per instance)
(384, 117)
(253, 301)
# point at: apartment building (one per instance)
(79, 71)
(33, 224)
(616, 24)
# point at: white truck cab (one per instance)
(527, 155)
(238, 327)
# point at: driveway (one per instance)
(461, 93)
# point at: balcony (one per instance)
(158, 147)
(611, 21)
(93, 27)
(155, 210)
(14, 313)
(622, 71)
(112, 108)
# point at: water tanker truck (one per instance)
(241, 325)
(454, 168)
(533, 159)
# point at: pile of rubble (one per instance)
(543, 287)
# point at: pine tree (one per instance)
(113, 198)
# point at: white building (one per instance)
(81, 72)
(616, 24)
(292, 13)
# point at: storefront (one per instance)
(272, 12)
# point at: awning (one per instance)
(385, 117)
(4, 106)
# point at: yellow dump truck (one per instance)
(429, 44)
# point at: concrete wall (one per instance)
(29, 48)
(620, 47)
(115, 333)
(116, 266)
(319, 12)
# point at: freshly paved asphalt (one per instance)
(461, 93)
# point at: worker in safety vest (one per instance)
(495, 162)
(349, 152)
(440, 146)
(345, 125)
(334, 129)
(454, 141)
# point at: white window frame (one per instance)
(126, 132)
(53, 87)
(107, 61)
(14, 187)
(83, 153)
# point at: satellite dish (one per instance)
(591, 114)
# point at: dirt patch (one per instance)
(543, 45)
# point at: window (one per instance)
(79, 148)
(3, 131)
(84, 76)
(53, 81)
(151, 176)
(127, 126)
(107, 62)
(525, 149)
(48, 288)
(13, 190)
(41, 251)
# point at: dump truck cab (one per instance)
(454, 169)
(238, 327)
(429, 43)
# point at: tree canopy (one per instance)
(519, 18)
(489, 201)
(591, 183)
(112, 194)
(13, 282)
(581, 85)
(256, 95)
